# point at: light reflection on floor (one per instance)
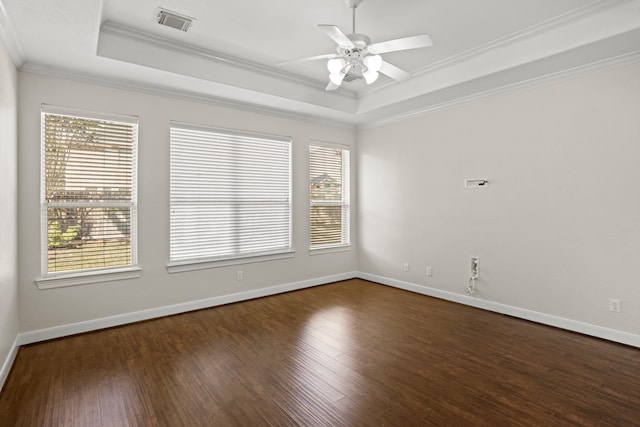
(322, 368)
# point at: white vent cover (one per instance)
(174, 20)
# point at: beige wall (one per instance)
(558, 229)
(40, 309)
(8, 207)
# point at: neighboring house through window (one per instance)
(329, 194)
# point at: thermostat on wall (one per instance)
(475, 183)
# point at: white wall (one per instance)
(41, 309)
(8, 210)
(557, 230)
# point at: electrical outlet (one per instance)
(406, 266)
(239, 275)
(614, 305)
(429, 271)
(475, 267)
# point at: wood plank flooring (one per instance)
(352, 353)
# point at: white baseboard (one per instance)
(8, 363)
(122, 319)
(522, 313)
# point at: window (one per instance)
(329, 193)
(230, 196)
(88, 192)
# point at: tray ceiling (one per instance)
(230, 53)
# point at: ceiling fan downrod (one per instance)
(353, 4)
(353, 19)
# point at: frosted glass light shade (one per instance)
(335, 65)
(370, 76)
(336, 78)
(373, 62)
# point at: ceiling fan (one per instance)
(356, 56)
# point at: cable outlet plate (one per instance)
(475, 183)
(614, 305)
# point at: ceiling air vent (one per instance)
(174, 20)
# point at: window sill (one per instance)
(182, 266)
(88, 277)
(329, 249)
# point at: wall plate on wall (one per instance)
(475, 183)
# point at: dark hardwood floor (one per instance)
(352, 353)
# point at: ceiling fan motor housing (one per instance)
(360, 40)
(353, 3)
(354, 55)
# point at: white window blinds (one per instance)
(230, 194)
(329, 193)
(88, 193)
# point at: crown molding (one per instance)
(621, 60)
(296, 100)
(216, 57)
(345, 122)
(534, 30)
(505, 41)
(337, 120)
(209, 72)
(599, 20)
(8, 35)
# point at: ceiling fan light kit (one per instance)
(356, 53)
(336, 78)
(372, 65)
(335, 65)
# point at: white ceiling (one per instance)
(230, 54)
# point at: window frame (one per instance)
(197, 263)
(57, 279)
(345, 203)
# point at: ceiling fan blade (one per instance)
(414, 42)
(331, 86)
(310, 58)
(337, 35)
(394, 72)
